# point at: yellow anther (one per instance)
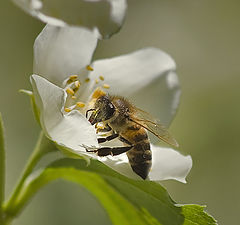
(87, 80)
(89, 68)
(73, 97)
(77, 84)
(98, 93)
(80, 104)
(96, 81)
(73, 77)
(101, 78)
(70, 91)
(106, 86)
(67, 110)
(75, 90)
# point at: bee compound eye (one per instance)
(110, 110)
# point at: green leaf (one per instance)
(195, 214)
(2, 167)
(43, 147)
(33, 103)
(126, 201)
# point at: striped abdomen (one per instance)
(140, 156)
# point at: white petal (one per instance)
(106, 15)
(70, 130)
(166, 164)
(120, 164)
(61, 52)
(169, 164)
(147, 77)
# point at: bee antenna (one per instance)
(89, 110)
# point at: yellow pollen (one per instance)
(77, 84)
(80, 104)
(89, 68)
(67, 110)
(98, 93)
(73, 97)
(97, 81)
(99, 127)
(70, 91)
(106, 86)
(73, 77)
(101, 78)
(75, 90)
(87, 80)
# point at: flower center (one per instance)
(77, 87)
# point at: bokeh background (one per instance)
(203, 38)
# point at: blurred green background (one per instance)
(203, 37)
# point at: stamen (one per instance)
(98, 93)
(70, 91)
(77, 84)
(80, 104)
(106, 86)
(75, 89)
(71, 79)
(89, 68)
(73, 97)
(101, 78)
(87, 80)
(96, 81)
(67, 110)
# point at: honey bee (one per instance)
(131, 126)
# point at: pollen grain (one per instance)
(101, 78)
(67, 110)
(89, 68)
(106, 86)
(77, 84)
(80, 104)
(70, 91)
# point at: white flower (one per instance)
(106, 15)
(145, 76)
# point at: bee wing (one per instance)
(145, 120)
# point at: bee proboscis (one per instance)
(130, 125)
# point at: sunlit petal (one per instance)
(70, 130)
(147, 77)
(120, 164)
(166, 164)
(60, 52)
(169, 164)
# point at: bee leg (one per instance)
(120, 150)
(122, 139)
(104, 151)
(112, 151)
(109, 138)
(105, 129)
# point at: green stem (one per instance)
(2, 169)
(42, 147)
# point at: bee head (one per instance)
(103, 110)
